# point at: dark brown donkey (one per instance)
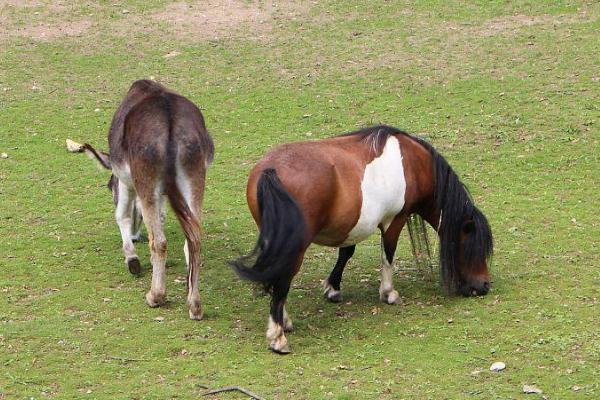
(158, 147)
(336, 192)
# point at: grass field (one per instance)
(508, 91)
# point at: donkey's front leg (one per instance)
(124, 214)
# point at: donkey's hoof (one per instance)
(392, 297)
(155, 299)
(134, 266)
(196, 311)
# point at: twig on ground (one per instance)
(124, 359)
(232, 388)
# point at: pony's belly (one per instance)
(359, 233)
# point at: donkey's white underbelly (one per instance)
(383, 188)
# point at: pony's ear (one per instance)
(468, 227)
(101, 157)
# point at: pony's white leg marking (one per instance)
(386, 289)
(123, 215)
(332, 295)
(158, 247)
(276, 337)
(287, 321)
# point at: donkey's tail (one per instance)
(282, 234)
(188, 220)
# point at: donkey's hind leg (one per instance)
(125, 216)
(331, 285)
(151, 207)
(389, 241)
(191, 185)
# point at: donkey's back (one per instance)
(159, 147)
(159, 127)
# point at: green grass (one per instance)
(512, 102)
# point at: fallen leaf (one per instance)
(530, 389)
(171, 54)
(74, 147)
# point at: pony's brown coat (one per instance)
(321, 182)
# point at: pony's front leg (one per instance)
(389, 240)
(331, 285)
(124, 214)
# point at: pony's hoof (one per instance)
(280, 345)
(134, 266)
(285, 349)
(334, 296)
(155, 300)
(392, 297)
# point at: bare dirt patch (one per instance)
(40, 21)
(214, 19)
(45, 32)
(197, 21)
(510, 24)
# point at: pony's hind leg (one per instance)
(389, 241)
(125, 216)
(331, 285)
(151, 207)
(276, 327)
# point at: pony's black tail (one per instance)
(282, 234)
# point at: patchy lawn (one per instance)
(509, 92)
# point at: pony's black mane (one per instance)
(376, 136)
(455, 203)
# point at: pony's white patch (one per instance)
(383, 188)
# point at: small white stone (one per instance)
(497, 366)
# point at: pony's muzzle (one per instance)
(475, 288)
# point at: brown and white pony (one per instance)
(336, 192)
(158, 148)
